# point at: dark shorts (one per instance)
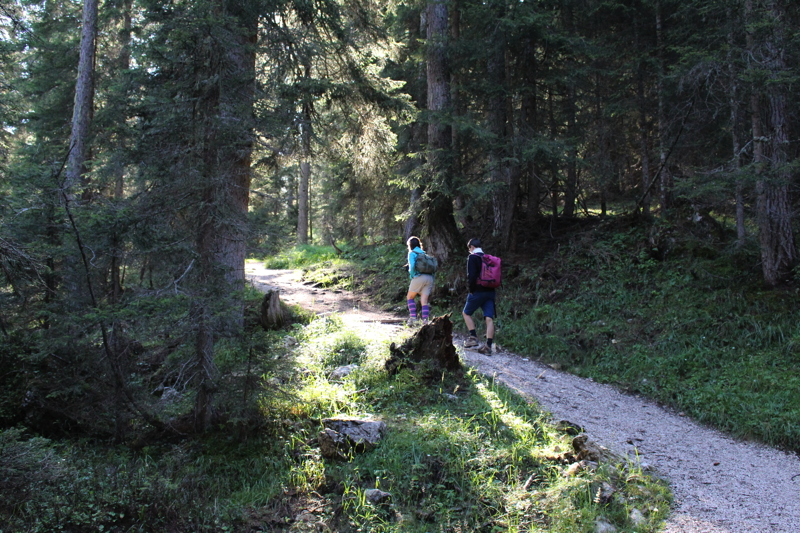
(484, 300)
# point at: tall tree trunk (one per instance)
(458, 106)
(227, 112)
(82, 111)
(778, 249)
(305, 171)
(504, 196)
(571, 181)
(528, 128)
(664, 177)
(412, 221)
(119, 168)
(554, 182)
(606, 159)
(360, 215)
(440, 224)
(302, 202)
(419, 132)
(736, 144)
(643, 143)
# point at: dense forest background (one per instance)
(148, 148)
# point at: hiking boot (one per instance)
(412, 322)
(471, 342)
(485, 349)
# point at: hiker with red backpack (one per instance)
(421, 268)
(483, 277)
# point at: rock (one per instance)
(289, 341)
(586, 449)
(636, 517)
(601, 526)
(343, 371)
(306, 516)
(574, 469)
(343, 437)
(604, 493)
(377, 497)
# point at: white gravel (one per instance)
(720, 485)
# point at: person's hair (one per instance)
(413, 242)
(474, 242)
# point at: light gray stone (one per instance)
(343, 437)
(377, 497)
(343, 371)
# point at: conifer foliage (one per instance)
(142, 158)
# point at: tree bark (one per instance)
(643, 144)
(273, 313)
(778, 248)
(505, 192)
(571, 181)
(302, 202)
(226, 111)
(553, 166)
(82, 110)
(528, 126)
(440, 224)
(412, 221)
(664, 177)
(736, 143)
(305, 172)
(119, 169)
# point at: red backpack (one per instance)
(490, 276)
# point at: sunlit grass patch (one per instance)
(462, 452)
(694, 330)
(300, 256)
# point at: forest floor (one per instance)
(720, 484)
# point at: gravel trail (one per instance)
(720, 485)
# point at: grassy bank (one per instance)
(460, 454)
(667, 312)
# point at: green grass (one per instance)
(300, 257)
(461, 454)
(693, 331)
(458, 452)
(688, 324)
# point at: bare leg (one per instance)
(489, 328)
(468, 321)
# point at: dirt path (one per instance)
(721, 485)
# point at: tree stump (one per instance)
(430, 350)
(274, 314)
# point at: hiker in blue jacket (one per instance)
(421, 284)
(479, 296)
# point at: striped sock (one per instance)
(412, 308)
(425, 311)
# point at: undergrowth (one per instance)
(693, 330)
(460, 454)
(673, 313)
